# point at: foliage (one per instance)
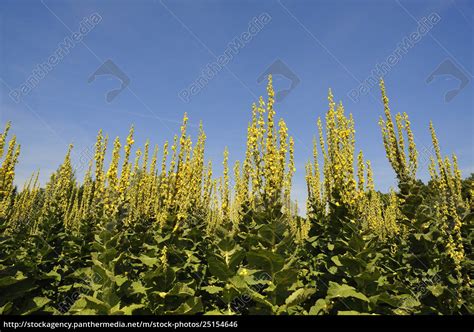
(138, 237)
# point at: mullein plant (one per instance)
(393, 135)
(451, 212)
(444, 172)
(168, 188)
(341, 184)
(446, 206)
(131, 191)
(7, 172)
(263, 181)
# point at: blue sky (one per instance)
(163, 47)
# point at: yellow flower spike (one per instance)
(74, 212)
(239, 196)
(23, 204)
(412, 151)
(443, 182)
(87, 194)
(174, 148)
(457, 180)
(112, 173)
(136, 163)
(360, 172)
(291, 168)
(436, 146)
(370, 177)
(447, 183)
(401, 140)
(65, 181)
(58, 193)
(182, 193)
(214, 215)
(207, 187)
(7, 175)
(225, 186)
(154, 160)
(315, 177)
(197, 169)
(124, 181)
(145, 156)
(164, 188)
(164, 258)
(394, 147)
(432, 170)
(3, 137)
(164, 158)
(182, 140)
(310, 185)
(99, 190)
(4, 170)
(133, 191)
(283, 150)
(390, 215)
(337, 147)
(263, 170)
(450, 179)
(151, 188)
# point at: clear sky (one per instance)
(162, 52)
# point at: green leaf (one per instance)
(350, 313)
(319, 307)
(335, 260)
(436, 290)
(5, 309)
(286, 277)
(299, 296)
(138, 288)
(149, 261)
(265, 260)
(336, 290)
(214, 312)
(257, 297)
(267, 234)
(333, 269)
(10, 280)
(128, 310)
(218, 268)
(192, 305)
(180, 289)
(212, 289)
(120, 279)
(236, 259)
(36, 304)
(54, 275)
(65, 288)
(238, 282)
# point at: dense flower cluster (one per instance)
(246, 219)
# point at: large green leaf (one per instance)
(299, 296)
(265, 260)
(218, 268)
(319, 307)
(192, 305)
(336, 290)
